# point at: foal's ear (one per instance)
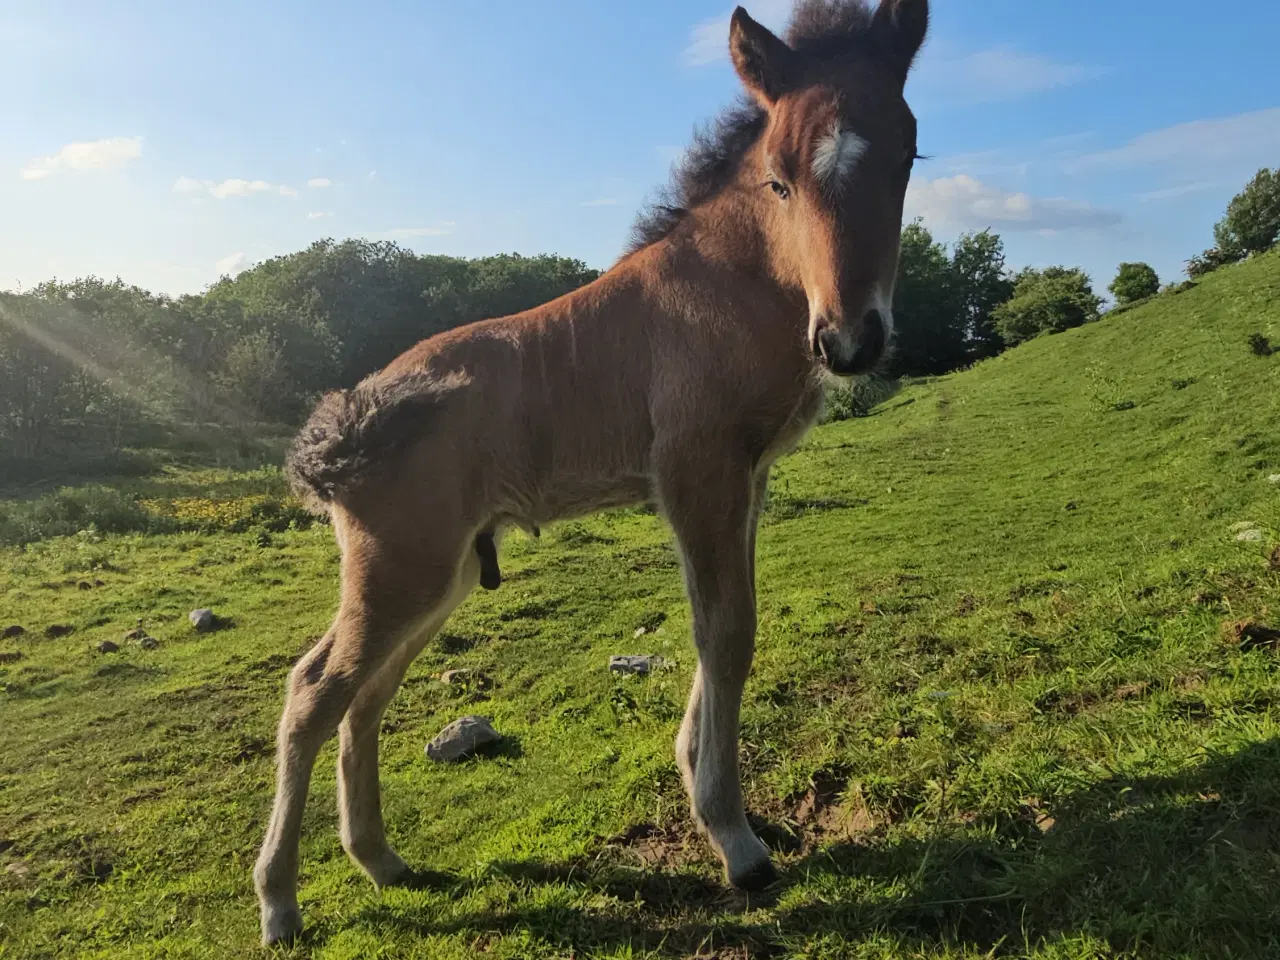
(766, 65)
(901, 26)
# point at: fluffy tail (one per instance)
(351, 433)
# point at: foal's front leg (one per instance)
(714, 523)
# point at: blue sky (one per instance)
(168, 142)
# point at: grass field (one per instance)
(1014, 696)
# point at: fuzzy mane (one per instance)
(819, 28)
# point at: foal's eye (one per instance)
(780, 189)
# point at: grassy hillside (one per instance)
(1014, 696)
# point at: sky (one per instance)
(169, 143)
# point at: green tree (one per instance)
(1046, 301)
(1252, 223)
(980, 283)
(1134, 281)
(930, 329)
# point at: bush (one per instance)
(1046, 301)
(73, 509)
(1252, 223)
(1134, 281)
(1260, 345)
(857, 398)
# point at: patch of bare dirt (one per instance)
(826, 812)
(1131, 691)
(666, 847)
(1034, 813)
(1251, 635)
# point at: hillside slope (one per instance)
(1013, 696)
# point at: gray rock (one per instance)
(639, 665)
(1252, 535)
(1274, 478)
(451, 677)
(19, 870)
(108, 646)
(461, 738)
(202, 620)
(148, 643)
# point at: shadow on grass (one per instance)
(1187, 865)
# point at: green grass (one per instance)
(993, 650)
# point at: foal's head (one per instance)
(836, 154)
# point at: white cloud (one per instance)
(233, 264)
(709, 40)
(601, 202)
(997, 74)
(1248, 138)
(1178, 190)
(105, 154)
(983, 76)
(970, 204)
(317, 216)
(234, 187)
(442, 229)
(319, 182)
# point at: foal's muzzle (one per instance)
(846, 356)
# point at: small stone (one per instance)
(640, 632)
(461, 738)
(1253, 535)
(1274, 478)
(10, 656)
(149, 643)
(635, 665)
(202, 620)
(56, 630)
(452, 677)
(19, 870)
(108, 646)
(13, 630)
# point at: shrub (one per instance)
(857, 398)
(1252, 222)
(1134, 281)
(73, 509)
(1046, 301)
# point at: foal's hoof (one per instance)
(281, 926)
(757, 879)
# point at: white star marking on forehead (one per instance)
(837, 154)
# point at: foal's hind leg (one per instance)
(710, 504)
(386, 598)
(359, 793)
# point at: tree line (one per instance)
(86, 364)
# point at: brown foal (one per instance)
(677, 378)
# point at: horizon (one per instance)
(168, 149)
